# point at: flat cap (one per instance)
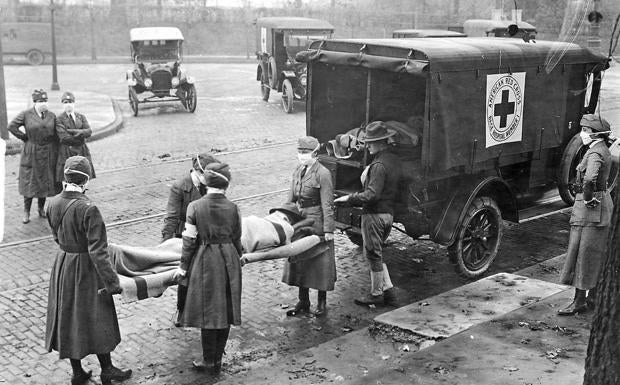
(596, 123)
(308, 143)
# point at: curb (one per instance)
(107, 130)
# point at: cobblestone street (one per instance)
(135, 169)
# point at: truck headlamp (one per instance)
(148, 83)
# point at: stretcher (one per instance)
(146, 272)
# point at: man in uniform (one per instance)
(380, 181)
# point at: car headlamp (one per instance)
(175, 81)
(148, 83)
(303, 79)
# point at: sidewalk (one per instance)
(103, 113)
(502, 329)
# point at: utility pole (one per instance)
(93, 48)
(55, 86)
(4, 131)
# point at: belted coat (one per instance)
(72, 135)
(79, 320)
(182, 192)
(37, 164)
(314, 195)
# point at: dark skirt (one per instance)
(587, 246)
(79, 320)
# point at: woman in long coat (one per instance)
(72, 135)
(81, 318)
(183, 191)
(210, 257)
(312, 190)
(37, 165)
(591, 215)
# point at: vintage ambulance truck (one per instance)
(497, 122)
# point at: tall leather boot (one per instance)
(375, 297)
(110, 372)
(577, 306)
(303, 305)
(208, 338)
(321, 307)
(27, 205)
(591, 298)
(222, 338)
(41, 206)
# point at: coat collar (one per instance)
(73, 195)
(309, 171)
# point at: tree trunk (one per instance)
(603, 359)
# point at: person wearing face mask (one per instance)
(190, 187)
(81, 317)
(380, 180)
(37, 166)
(72, 135)
(591, 216)
(312, 191)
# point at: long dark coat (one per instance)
(37, 163)
(182, 192)
(212, 262)
(80, 321)
(589, 225)
(72, 136)
(316, 185)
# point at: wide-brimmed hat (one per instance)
(289, 208)
(67, 97)
(595, 123)
(377, 130)
(39, 95)
(217, 175)
(308, 143)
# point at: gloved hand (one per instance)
(116, 290)
(329, 237)
(178, 275)
(592, 203)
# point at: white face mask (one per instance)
(585, 138)
(69, 107)
(202, 179)
(305, 158)
(41, 106)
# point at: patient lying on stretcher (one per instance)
(147, 271)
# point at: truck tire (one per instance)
(572, 156)
(478, 238)
(35, 57)
(287, 96)
(273, 73)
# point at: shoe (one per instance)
(114, 374)
(321, 309)
(300, 308)
(577, 306)
(202, 365)
(26, 217)
(82, 378)
(370, 299)
(390, 297)
(42, 213)
(217, 368)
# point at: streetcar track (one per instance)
(184, 159)
(133, 220)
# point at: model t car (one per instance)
(481, 129)
(278, 39)
(158, 75)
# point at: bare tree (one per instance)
(603, 359)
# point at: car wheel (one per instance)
(35, 57)
(133, 101)
(264, 87)
(572, 156)
(356, 238)
(191, 98)
(287, 96)
(273, 73)
(478, 238)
